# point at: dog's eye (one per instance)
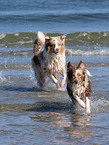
(73, 76)
(79, 75)
(52, 45)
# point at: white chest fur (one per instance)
(55, 63)
(79, 89)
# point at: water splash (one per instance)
(2, 77)
(100, 105)
(2, 36)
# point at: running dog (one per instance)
(51, 60)
(79, 85)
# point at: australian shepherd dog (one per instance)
(51, 60)
(79, 85)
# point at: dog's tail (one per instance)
(39, 42)
(41, 38)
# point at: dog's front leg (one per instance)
(88, 106)
(81, 103)
(55, 81)
(64, 78)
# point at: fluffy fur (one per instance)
(79, 85)
(51, 60)
(38, 43)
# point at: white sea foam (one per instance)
(2, 36)
(16, 34)
(88, 52)
(2, 77)
(99, 105)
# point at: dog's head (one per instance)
(55, 45)
(77, 74)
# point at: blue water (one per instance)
(32, 116)
(54, 16)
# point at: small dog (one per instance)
(79, 85)
(51, 60)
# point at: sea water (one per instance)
(30, 115)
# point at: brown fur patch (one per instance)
(49, 46)
(36, 60)
(71, 73)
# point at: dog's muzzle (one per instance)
(57, 50)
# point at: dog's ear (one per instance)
(69, 65)
(47, 37)
(71, 73)
(63, 36)
(47, 44)
(81, 66)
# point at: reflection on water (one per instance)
(54, 121)
(73, 124)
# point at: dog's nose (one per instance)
(57, 50)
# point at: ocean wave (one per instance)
(80, 43)
(17, 40)
(54, 16)
(87, 52)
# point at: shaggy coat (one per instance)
(79, 85)
(51, 60)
